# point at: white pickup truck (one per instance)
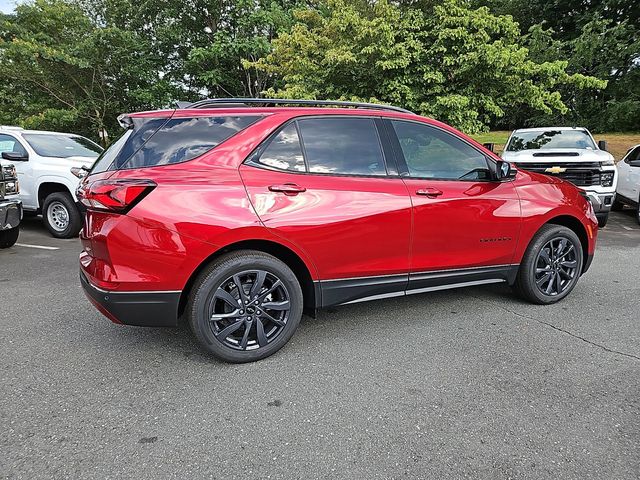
(572, 154)
(49, 167)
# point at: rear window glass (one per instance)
(62, 146)
(162, 141)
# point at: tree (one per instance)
(462, 66)
(62, 71)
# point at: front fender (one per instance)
(70, 185)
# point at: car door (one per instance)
(9, 143)
(464, 223)
(629, 176)
(323, 184)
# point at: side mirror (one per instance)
(504, 170)
(634, 163)
(489, 146)
(602, 145)
(15, 156)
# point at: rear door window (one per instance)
(342, 146)
(284, 151)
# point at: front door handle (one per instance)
(430, 192)
(287, 188)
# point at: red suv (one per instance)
(238, 215)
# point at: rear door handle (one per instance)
(430, 192)
(287, 188)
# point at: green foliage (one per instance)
(64, 72)
(463, 66)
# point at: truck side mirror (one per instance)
(602, 145)
(15, 156)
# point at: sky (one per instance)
(7, 6)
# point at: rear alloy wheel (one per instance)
(245, 306)
(551, 265)
(61, 215)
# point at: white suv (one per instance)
(49, 167)
(572, 154)
(628, 191)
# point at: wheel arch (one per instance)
(51, 186)
(281, 252)
(577, 227)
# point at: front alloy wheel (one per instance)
(245, 306)
(551, 266)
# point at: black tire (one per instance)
(208, 297)
(8, 238)
(530, 273)
(602, 220)
(64, 202)
(617, 205)
(638, 212)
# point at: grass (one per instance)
(619, 143)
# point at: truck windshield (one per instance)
(535, 140)
(62, 146)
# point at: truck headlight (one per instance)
(9, 172)
(606, 179)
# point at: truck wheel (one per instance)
(245, 306)
(551, 265)
(61, 216)
(602, 220)
(617, 205)
(9, 237)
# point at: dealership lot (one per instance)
(463, 383)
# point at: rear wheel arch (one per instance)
(277, 250)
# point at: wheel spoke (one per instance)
(271, 318)
(241, 294)
(222, 294)
(544, 278)
(257, 285)
(566, 252)
(225, 332)
(569, 263)
(564, 274)
(544, 255)
(550, 285)
(216, 317)
(275, 285)
(543, 270)
(283, 305)
(558, 283)
(262, 338)
(561, 246)
(245, 337)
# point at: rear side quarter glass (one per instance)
(183, 139)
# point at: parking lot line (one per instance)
(42, 247)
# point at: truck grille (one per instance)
(585, 174)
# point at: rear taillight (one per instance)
(114, 195)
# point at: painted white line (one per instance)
(627, 228)
(42, 247)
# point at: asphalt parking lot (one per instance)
(458, 384)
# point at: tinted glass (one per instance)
(284, 151)
(342, 145)
(106, 159)
(633, 155)
(62, 146)
(432, 153)
(550, 139)
(183, 139)
(10, 144)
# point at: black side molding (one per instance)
(144, 309)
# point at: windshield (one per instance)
(62, 146)
(550, 139)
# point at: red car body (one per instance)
(347, 238)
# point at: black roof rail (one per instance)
(244, 102)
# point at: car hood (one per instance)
(554, 155)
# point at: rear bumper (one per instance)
(144, 309)
(10, 214)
